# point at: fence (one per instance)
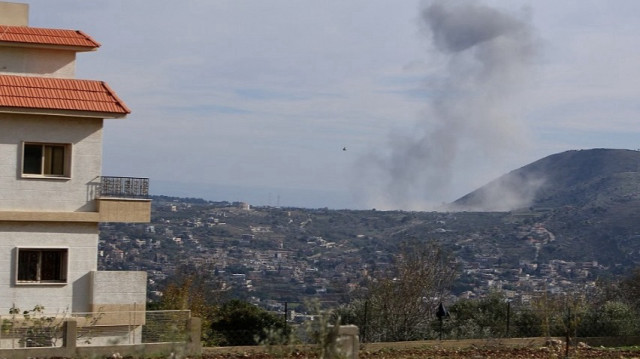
(609, 323)
(615, 321)
(133, 332)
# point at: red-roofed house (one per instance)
(52, 193)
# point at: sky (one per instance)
(354, 104)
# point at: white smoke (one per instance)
(470, 111)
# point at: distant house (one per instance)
(52, 192)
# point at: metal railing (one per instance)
(123, 187)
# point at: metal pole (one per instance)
(508, 316)
(566, 350)
(286, 334)
(364, 326)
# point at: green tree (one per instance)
(611, 319)
(526, 323)
(480, 318)
(629, 289)
(240, 323)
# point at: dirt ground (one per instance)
(499, 353)
(400, 351)
(475, 353)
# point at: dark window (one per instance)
(32, 163)
(45, 159)
(42, 265)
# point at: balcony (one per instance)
(123, 187)
(117, 199)
(123, 199)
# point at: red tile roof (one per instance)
(41, 36)
(43, 93)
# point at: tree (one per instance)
(486, 317)
(402, 302)
(186, 294)
(240, 323)
(611, 319)
(630, 289)
(195, 292)
(527, 323)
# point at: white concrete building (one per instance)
(52, 192)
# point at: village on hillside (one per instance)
(270, 255)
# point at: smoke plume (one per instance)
(470, 107)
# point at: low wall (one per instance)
(191, 347)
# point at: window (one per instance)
(42, 265)
(46, 159)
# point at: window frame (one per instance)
(63, 266)
(46, 157)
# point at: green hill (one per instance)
(585, 178)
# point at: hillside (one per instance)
(585, 178)
(592, 198)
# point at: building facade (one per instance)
(52, 192)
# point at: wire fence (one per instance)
(613, 322)
(502, 320)
(464, 320)
(37, 329)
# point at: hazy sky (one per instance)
(254, 100)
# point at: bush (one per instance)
(611, 319)
(240, 323)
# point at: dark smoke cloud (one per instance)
(458, 29)
(470, 110)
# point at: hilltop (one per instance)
(584, 178)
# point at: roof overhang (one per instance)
(26, 36)
(47, 46)
(59, 97)
(61, 113)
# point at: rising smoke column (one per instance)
(487, 55)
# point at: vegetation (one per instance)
(240, 323)
(35, 328)
(399, 304)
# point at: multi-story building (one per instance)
(52, 193)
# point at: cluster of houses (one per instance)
(287, 261)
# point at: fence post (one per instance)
(286, 334)
(348, 341)
(508, 317)
(70, 334)
(194, 329)
(568, 338)
(364, 326)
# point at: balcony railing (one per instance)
(123, 187)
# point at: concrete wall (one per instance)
(14, 14)
(32, 61)
(39, 62)
(124, 210)
(82, 241)
(118, 291)
(50, 194)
